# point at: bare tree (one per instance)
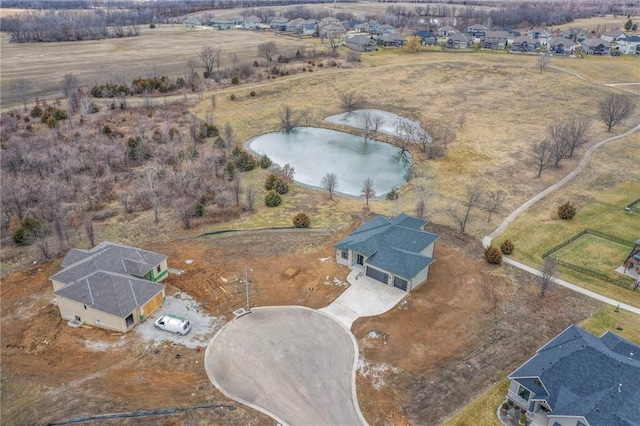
(615, 108)
(330, 183)
(153, 193)
(184, 209)
(90, 231)
(287, 119)
(70, 86)
(21, 88)
(228, 134)
(367, 190)
(267, 50)
(250, 195)
(577, 132)
(472, 200)
(462, 118)
(494, 201)
(421, 208)
(237, 190)
(371, 123)
(213, 101)
(351, 101)
(332, 40)
(558, 141)
(208, 57)
(549, 269)
(540, 155)
(543, 61)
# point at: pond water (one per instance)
(314, 152)
(356, 119)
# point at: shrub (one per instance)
(493, 255)
(505, 406)
(20, 237)
(252, 93)
(106, 130)
(199, 210)
(243, 160)
(265, 162)
(272, 199)
(211, 131)
(152, 26)
(270, 182)
(301, 220)
(256, 63)
(566, 211)
(36, 111)
(235, 80)
(281, 187)
(393, 195)
(506, 247)
(232, 97)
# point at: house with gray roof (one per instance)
(613, 36)
(579, 379)
(111, 286)
(595, 46)
(191, 22)
(446, 31)
(495, 40)
(457, 41)
(561, 46)
(361, 43)
(476, 30)
(630, 45)
(427, 38)
(392, 40)
(221, 23)
(540, 34)
(525, 44)
(575, 34)
(394, 251)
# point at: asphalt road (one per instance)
(292, 363)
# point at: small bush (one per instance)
(493, 255)
(505, 406)
(566, 211)
(36, 111)
(235, 80)
(256, 64)
(270, 182)
(152, 26)
(301, 220)
(265, 162)
(252, 93)
(232, 97)
(106, 130)
(199, 210)
(272, 199)
(393, 195)
(281, 187)
(506, 247)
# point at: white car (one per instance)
(174, 324)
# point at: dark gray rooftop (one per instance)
(393, 245)
(598, 378)
(107, 257)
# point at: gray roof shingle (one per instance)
(597, 378)
(393, 245)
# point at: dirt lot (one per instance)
(446, 342)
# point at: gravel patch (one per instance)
(203, 326)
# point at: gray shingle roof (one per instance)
(113, 293)
(597, 378)
(393, 245)
(108, 257)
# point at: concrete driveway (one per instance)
(292, 363)
(365, 297)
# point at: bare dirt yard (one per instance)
(461, 331)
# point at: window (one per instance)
(360, 259)
(158, 268)
(524, 393)
(345, 255)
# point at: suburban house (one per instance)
(191, 22)
(477, 30)
(330, 28)
(446, 31)
(578, 379)
(221, 24)
(361, 43)
(385, 29)
(252, 22)
(427, 38)
(561, 46)
(575, 34)
(540, 34)
(457, 41)
(395, 251)
(278, 23)
(495, 40)
(595, 46)
(525, 44)
(630, 45)
(392, 40)
(110, 286)
(632, 262)
(613, 36)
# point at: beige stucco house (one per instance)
(111, 286)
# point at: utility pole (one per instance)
(246, 285)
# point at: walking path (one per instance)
(486, 241)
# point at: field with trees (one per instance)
(142, 140)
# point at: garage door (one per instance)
(400, 283)
(377, 274)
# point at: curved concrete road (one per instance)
(292, 363)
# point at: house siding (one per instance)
(420, 278)
(90, 316)
(512, 394)
(155, 276)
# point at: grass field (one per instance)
(482, 411)
(596, 254)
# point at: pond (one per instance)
(314, 152)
